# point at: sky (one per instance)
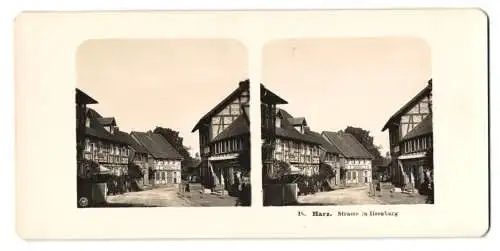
(170, 83)
(337, 82)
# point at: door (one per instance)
(163, 181)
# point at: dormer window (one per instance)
(299, 128)
(87, 122)
(278, 122)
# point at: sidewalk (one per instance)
(198, 199)
(387, 197)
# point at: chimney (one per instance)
(244, 83)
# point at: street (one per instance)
(360, 196)
(169, 197)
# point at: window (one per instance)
(354, 175)
(235, 109)
(162, 175)
(87, 145)
(237, 142)
(349, 175)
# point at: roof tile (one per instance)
(348, 145)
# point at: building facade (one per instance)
(224, 138)
(354, 160)
(81, 101)
(138, 157)
(410, 137)
(294, 145)
(329, 157)
(163, 161)
(285, 138)
(103, 146)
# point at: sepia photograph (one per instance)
(162, 123)
(354, 104)
(347, 121)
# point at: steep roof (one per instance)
(83, 98)
(270, 97)
(348, 145)
(409, 104)
(238, 127)
(156, 145)
(97, 130)
(286, 119)
(329, 147)
(243, 86)
(107, 121)
(423, 128)
(297, 121)
(131, 141)
(288, 131)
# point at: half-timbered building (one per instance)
(162, 158)
(82, 99)
(138, 156)
(285, 139)
(355, 161)
(329, 157)
(269, 102)
(410, 137)
(224, 138)
(294, 146)
(103, 146)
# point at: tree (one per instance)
(174, 139)
(363, 136)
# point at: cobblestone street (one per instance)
(169, 197)
(360, 196)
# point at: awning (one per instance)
(412, 155)
(295, 170)
(103, 170)
(224, 157)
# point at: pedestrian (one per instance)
(379, 184)
(372, 189)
